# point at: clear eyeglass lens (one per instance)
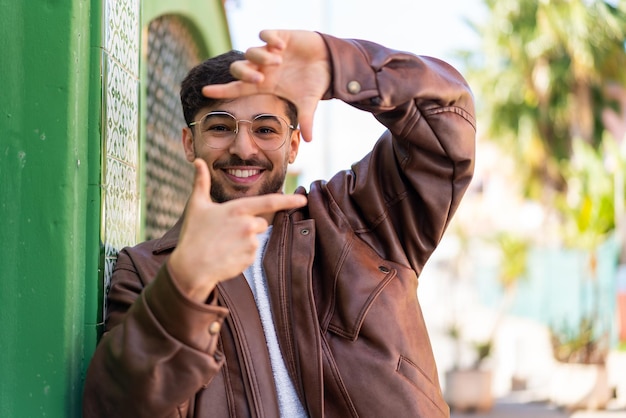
(219, 129)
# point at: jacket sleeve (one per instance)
(401, 196)
(158, 350)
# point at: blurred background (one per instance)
(525, 297)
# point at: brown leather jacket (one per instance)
(342, 272)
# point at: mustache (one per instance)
(233, 160)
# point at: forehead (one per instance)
(250, 106)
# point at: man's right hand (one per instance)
(218, 241)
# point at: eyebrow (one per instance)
(268, 116)
(256, 115)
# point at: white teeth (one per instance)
(243, 173)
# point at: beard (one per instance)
(272, 184)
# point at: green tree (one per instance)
(539, 80)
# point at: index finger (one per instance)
(230, 90)
(269, 203)
(273, 38)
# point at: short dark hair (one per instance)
(214, 70)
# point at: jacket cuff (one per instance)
(353, 76)
(194, 324)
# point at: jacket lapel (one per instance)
(252, 351)
(289, 276)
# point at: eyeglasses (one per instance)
(219, 129)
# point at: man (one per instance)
(259, 304)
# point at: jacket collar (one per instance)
(169, 240)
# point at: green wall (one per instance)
(49, 167)
(206, 18)
(50, 188)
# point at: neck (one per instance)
(269, 217)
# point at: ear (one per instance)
(294, 145)
(188, 144)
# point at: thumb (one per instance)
(306, 120)
(202, 180)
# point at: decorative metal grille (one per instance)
(172, 52)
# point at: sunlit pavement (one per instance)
(514, 410)
(504, 409)
(531, 404)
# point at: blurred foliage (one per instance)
(291, 182)
(539, 78)
(582, 344)
(483, 351)
(588, 216)
(588, 208)
(514, 256)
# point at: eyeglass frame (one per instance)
(236, 131)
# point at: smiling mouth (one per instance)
(243, 173)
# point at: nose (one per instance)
(243, 144)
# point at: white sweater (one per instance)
(288, 401)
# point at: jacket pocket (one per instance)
(415, 376)
(361, 277)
